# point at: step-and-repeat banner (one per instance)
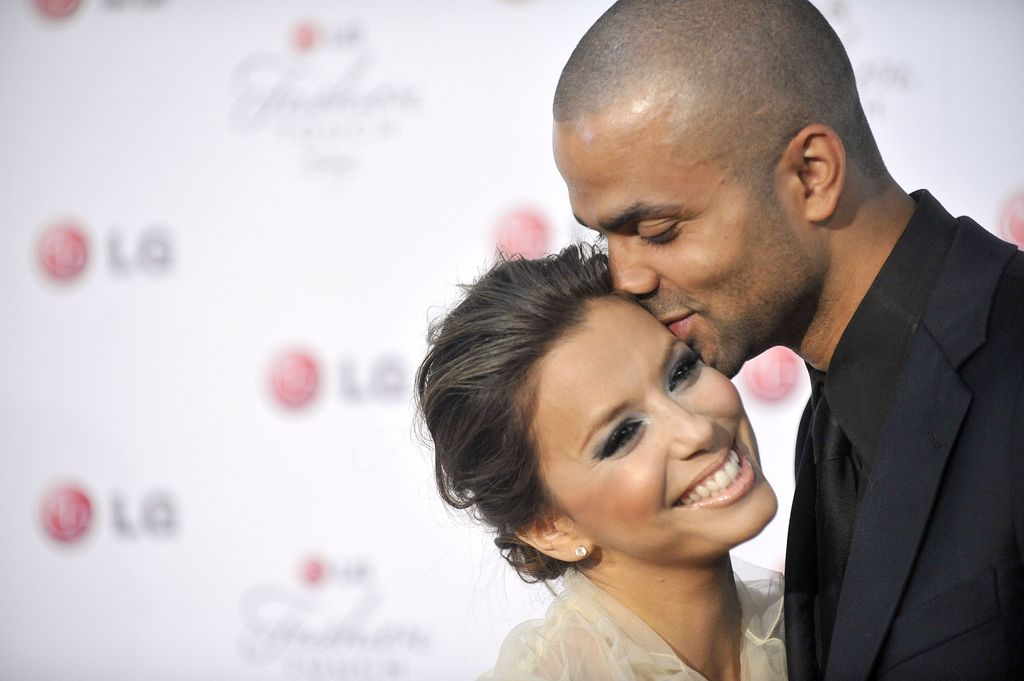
(224, 227)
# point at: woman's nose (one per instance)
(690, 433)
(629, 272)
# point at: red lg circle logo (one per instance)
(57, 9)
(294, 379)
(772, 375)
(313, 572)
(523, 232)
(1012, 223)
(63, 251)
(67, 513)
(305, 36)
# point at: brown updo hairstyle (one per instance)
(475, 393)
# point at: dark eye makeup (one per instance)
(681, 371)
(683, 368)
(620, 437)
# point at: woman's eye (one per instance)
(682, 370)
(620, 437)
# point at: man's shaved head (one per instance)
(743, 76)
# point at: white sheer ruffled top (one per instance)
(587, 635)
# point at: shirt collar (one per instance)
(868, 359)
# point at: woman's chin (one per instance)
(760, 508)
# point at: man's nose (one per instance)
(629, 273)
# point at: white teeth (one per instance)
(724, 477)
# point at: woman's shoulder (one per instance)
(760, 591)
(576, 639)
(586, 634)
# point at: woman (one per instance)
(601, 450)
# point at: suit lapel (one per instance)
(921, 428)
(801, 565)
(897, 502)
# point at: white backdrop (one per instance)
(223, 229)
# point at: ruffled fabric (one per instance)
(587, 635)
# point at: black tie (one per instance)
(835, 508)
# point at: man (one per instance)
(721, 148)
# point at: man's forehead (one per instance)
(625, 117)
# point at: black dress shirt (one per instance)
(867, 362)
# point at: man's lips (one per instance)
(681, 327)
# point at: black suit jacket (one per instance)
(934, 584)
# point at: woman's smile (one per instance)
(725, 484)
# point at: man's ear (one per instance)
(556, 535)
(812, 170)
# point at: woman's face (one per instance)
(646, 451)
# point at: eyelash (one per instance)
(628, 429)
(682, 370)
(656, 240)
(662, 238)
(620, 437)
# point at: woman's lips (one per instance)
(722, 486)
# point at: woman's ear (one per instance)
(556, 535)
(812, 170)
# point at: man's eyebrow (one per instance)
(637, 212)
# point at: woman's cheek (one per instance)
(636, 489)
(717, 396)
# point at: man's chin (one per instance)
(723, 362)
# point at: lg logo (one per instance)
(317, 570)
(523, 232)
(64, 251)
(306, 35)
(152, 515)
(382, 379)
(57, 9)
(62, 9)
(295, 379)
(146, 252)
(68, 514)
(1012, 223)
(772, 375)
(309, 34)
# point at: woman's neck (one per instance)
(695, 610)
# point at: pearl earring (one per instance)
(581, 551)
